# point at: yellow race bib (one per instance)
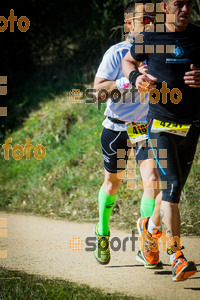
(136, 131)
(171, 127)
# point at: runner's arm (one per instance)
(129, 64)
(119, 85)
(130, 69)
(103, 83)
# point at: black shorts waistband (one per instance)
(116, 120)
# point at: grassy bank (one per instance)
(65, 183)
(18, 285)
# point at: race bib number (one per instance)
(174, 128)
(136, 131)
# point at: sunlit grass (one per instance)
(65, 183)
(18, 285)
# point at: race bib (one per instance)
(171, 127)
(136, 131)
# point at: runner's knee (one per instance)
(152, 181)
(154, 176)
(111, 186)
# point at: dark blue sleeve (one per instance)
(138, 56)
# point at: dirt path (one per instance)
(39, 245)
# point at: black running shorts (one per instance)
(111, 141)
(174, 155)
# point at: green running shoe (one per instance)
(139, 258)
(102, 251)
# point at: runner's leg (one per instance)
(106, 200)
(180, 154)
(111, 141)
(150, 179)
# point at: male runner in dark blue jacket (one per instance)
(174, 113)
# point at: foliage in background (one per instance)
(62, 51)
(66, 182)
(196, 13)
(63, 46)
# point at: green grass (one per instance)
(18, 285)
(66, 182)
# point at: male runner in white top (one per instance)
(114, 136)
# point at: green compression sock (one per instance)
(147, 207)
(106, 204)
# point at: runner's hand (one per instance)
(192, 78)
(142, 68)
(148, 79)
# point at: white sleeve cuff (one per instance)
(122, 84)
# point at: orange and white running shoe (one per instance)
(182, 269)
(149, 255)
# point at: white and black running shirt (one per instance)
(129, 110)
